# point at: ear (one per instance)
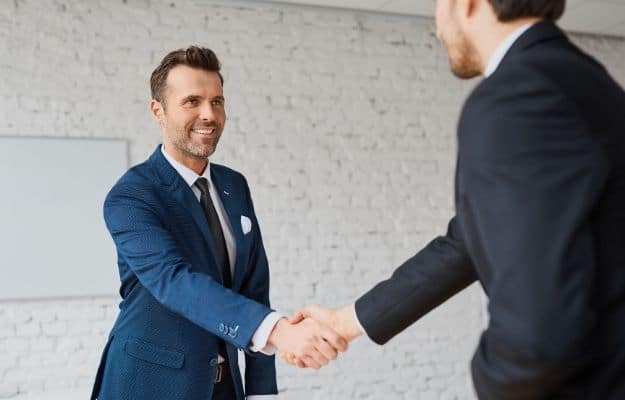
(157, 111)
(466, 9)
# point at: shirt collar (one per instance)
(185, 172)
(503, 48)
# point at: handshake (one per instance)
(314, 335)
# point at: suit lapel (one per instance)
(231, 201)
(183, 194)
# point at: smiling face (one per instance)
(191, 114)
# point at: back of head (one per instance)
(510, 10)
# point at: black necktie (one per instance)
(220, 243)
(216, 231)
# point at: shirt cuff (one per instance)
(260, 337)
(362, 329)
(262, 397)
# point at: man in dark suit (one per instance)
(540, 212)
(194, 275)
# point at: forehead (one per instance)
(183, 80)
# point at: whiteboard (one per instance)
(53, 241)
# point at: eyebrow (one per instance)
(195, 97)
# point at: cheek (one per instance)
(183, 119)
(220, 116)
(442, 27)
(439, 16)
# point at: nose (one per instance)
(206, 112)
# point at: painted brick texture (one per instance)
(343, 123)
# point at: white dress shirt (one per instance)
(503, 49)
(260, 337)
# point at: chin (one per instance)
(463, 69)
(204, 149)
(200, 152)
(464, 73)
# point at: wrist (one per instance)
(277, 333)
(347, 323)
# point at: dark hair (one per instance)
(193, 56)
(509, 10)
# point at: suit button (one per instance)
(233, 332)
(214, 361)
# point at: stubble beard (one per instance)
(182, 141)
(463, 58)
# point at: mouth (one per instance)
(208, 131)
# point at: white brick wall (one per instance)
(343, 123)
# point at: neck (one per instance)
(196, 164)
(490, 38)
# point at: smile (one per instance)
(204, 131)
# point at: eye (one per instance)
(217, 102)
(191, 102)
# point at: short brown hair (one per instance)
(192, 56)
(509, 10)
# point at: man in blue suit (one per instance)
(194, 275)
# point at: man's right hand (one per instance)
(342, 320)
(310, 343)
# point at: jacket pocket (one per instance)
(153, 354)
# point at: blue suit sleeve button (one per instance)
(233, 332)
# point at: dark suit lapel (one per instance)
(231, 201)
(183, 194)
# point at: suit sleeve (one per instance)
(155, 258)
(260, 370)
(532, 188)
(423, 282)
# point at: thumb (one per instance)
(300, 315)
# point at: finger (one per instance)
(314, 312)
(293, 362)
(302, 313)
(326, 349)
(334, 339)
(299, 363)
(297, 317)
(319, 356)
(311, 362)
(287, 357)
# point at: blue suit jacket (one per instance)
(164, 343)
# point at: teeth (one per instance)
(204, 131)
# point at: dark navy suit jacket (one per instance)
(164, 343)
(540, 203)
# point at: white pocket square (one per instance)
(246, 224)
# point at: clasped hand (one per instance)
(314, 335)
